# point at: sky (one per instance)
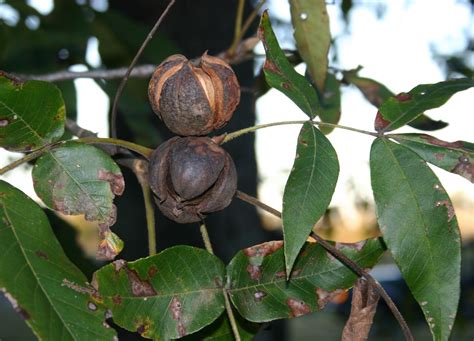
(395, 49)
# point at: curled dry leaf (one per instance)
(364, 305)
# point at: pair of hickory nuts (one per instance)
(192, 175)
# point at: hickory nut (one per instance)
(192, 99)
(191, 176)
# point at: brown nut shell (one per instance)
(191, 177)
(191, 99)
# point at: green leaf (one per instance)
(405, 107)
(455, 157)
(330, 103)
(259, 289)
(313, 37)
(281, 75)
(220, 330)
(81, 179)
(418, 224)
(169, 295)
(309, 189)
(32, 114)
(34, 269)
(377, 93)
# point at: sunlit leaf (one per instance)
(34, 269)
(281, 75)
(81, 179)
(455, 157)
(419, 226)
(377, 93)
(308, 190)
(405, 107)
(261, 293)
(169, 295)
(313, 38)
(32, 114)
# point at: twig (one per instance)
(144, 151)
(240, 29)
(343, 259)
(141, 71)
(250, 19)
(228, 306)
(205, 237)
(113, 116)
(238, 22)
(240, 132)
(29, 157)
(150, 218)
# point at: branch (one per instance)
(141, 71)
(113, 116)
(343, 259)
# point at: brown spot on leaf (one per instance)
(295, 273)
(152, 270)
(303, 142)
(91, 306)
(19, 309)
(446, 203)
(142, 329)
(380, 123)
(116, 181)
(117, 299)
(403, 97)
(433, 140)
(297, 307)
(176, 312)
(464, 168)
(264, 249)
(23, 313)
(439, 156)
(119, 264)
(271, 67)
(280, 275)
(254, 271)
(259, 295)
(140, 288)
(286, 86)
(324, 297)
(42, 254)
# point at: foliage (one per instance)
(184, 291)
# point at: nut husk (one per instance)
(194, 97)
(191, 177)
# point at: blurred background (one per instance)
(399, 43)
